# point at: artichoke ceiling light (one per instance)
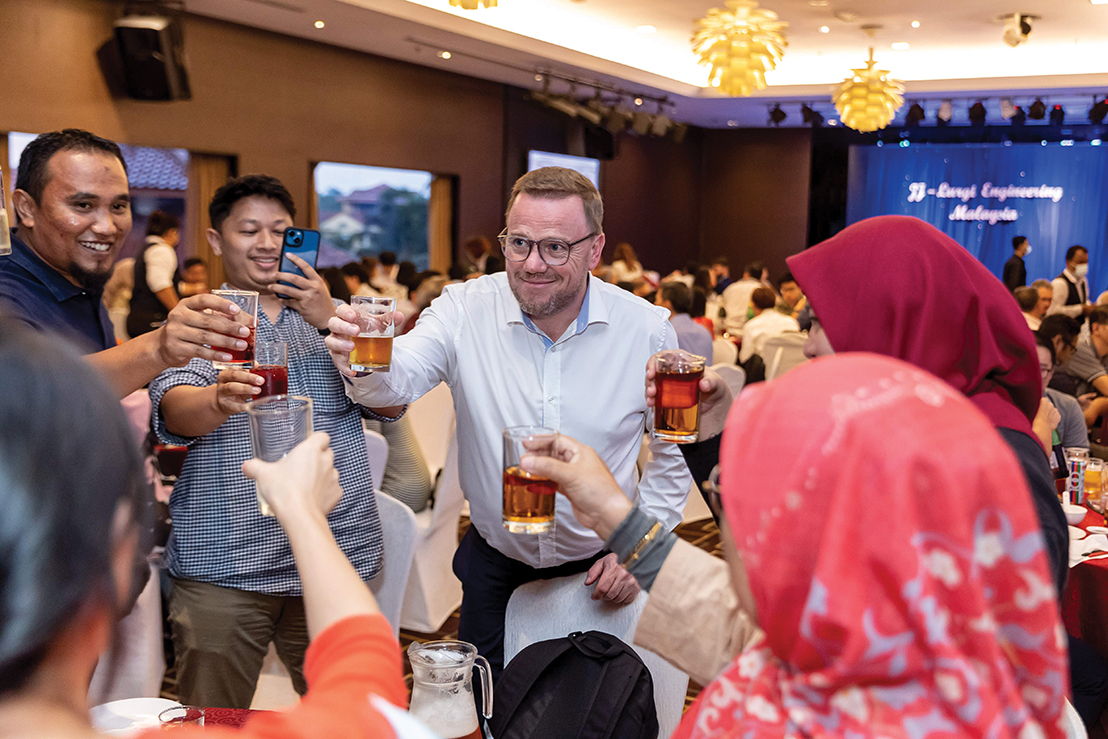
(741, 43)
(473, 4)
(868, 99)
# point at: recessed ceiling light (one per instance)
(819, 3)
(638, 101)
(825, 29)
(647, 29)
(445, 55)
(901, 45)
(915, 24)
(319, 24)
(1098, 2)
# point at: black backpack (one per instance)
(586, 685)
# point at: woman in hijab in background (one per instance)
(897, 286)
(888, 551)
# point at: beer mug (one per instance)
(677, 375)
(373, 344)
(528, 498)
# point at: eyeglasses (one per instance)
(554, 252)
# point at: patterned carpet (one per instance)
(703, 534)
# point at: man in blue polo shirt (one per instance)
(73, 212)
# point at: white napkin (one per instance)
(1079, 548)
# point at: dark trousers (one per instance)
(1088, 681)
(220, 638)
(488, 580)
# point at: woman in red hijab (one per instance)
(897, 286)
(888, 550)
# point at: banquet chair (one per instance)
(138, 654)
(274, 690)
(784, 352)
(733, 375)
(432, 418)
(724, 351)
(433, 591)
(550, 609)
(377, 448)
(1075, 727)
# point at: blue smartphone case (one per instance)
(304, 243)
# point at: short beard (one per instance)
(557, 302)
(92, 281)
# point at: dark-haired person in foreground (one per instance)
(73, 212)
(235, 588)
(69, 534)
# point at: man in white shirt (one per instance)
(766, 323)
(543, 343)
(736, 298)
(1071, 288)
(154, 293)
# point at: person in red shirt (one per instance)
(74, 496)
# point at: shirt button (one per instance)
(550, 400)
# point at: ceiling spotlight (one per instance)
(617, 120)
(660, 125)
(445, 55)
(914, 116)
(944, 113)
(825, 29)
(1037, 110)
(1017, 27)
(678, 132)
(539, 78)
(319, 24)
(1098, 111)
(777, 116)
(1018, 117)
(1057, 115)
(641, 122)
(915, 24)
(638, 102)
(977, 113)
(811, 116)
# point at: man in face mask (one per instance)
(1015, 271)
(1071, 288)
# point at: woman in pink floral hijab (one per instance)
(894, 562)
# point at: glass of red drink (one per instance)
(677, 375)
(271, 363)
(179, 717)
(247, 300)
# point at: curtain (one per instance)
(9, 180)
(440, 223)
(1052, 194)
(207, 172)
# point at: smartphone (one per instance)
(304, 243)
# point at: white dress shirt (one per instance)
(760, 328)
(1062, 291)
(161, 264)
(504, 372)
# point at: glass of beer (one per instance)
(248, 301)
(373, 344)
(277, 424)
(271, 363)
(528, 499)
(677, 376)
(1094, 483)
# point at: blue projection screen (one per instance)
(984, 194)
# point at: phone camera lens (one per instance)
(295, 238)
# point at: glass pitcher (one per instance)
(442, 687)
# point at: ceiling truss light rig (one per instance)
(740, 42)
(869, 98)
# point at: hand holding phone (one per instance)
(304, 243)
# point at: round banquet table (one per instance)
(233, 717)
(1085, 599)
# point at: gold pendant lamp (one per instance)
(868, 99)
(740, 43)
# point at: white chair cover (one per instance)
(724, 351)
(432, 417)
(433, 591)
(783, 352)
(549, 609)
(377, 447)
(139, 659)
(733, 375)
(1075, 727)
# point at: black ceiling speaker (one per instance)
(151, 49)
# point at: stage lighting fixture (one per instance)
(811, 116)
(1017, 27)
(977, 113)
(642, 122)
(1037, 110)
(914, 116)
(1098, 111)
(1057, 115)
(777, 116)
(944, 113)
(1018, 117)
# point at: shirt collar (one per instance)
(594, 309)
(59, 287)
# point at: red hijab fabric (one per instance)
(895, 561)
(895, 285)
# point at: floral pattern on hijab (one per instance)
(895, 562)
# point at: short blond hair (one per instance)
(559, 182)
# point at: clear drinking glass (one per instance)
(271, 363)
(1077, 459)
(248, 301)
(528, 499)
(277, 424)
(373, 344)
(677, 375)
(1094, 483)
(179, 717)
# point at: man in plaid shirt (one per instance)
(235, 586)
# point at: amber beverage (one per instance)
(528, 499)
(371, 353)
(677, 378)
